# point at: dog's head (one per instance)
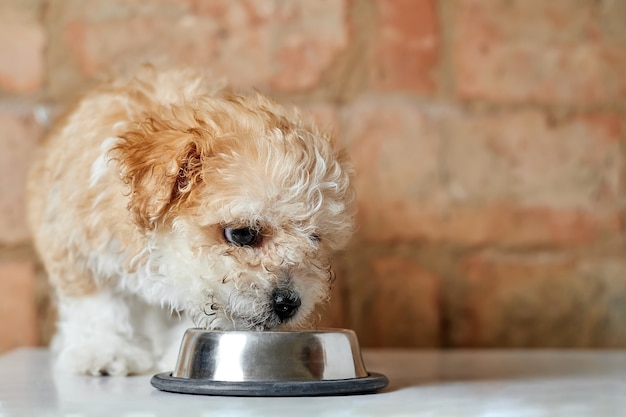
(242, 205)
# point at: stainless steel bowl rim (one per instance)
(244, 356)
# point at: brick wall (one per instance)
(489, 138)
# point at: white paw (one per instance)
(118, 358)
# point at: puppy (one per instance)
(161, 203)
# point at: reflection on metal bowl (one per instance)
(320, 362)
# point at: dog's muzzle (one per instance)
(285, 303)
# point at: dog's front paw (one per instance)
(115, 359)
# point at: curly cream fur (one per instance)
(129, 198)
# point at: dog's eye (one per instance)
(315, 238)
(245, 236)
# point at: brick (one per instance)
(532, 50)
(18, 311)
(611, 20)
(19, 134)
(22, 44)
(406, 47)
(539, 162)
(540, 300)
(286, 46)
(514, 178)
(325, 116)
(505, 224)
(395, 302)
(46, 307)
(395, 148)
(537, 180)
(313, 37)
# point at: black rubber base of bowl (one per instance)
(166, 382)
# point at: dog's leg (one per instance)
(95, 336)
(174, 336)
(164, 329)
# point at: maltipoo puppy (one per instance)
(162, 203)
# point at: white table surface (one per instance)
(423, 383)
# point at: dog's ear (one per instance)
(161, 163)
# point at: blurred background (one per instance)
(488, 137)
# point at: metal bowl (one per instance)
(275, 363)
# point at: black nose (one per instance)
(285, 303)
